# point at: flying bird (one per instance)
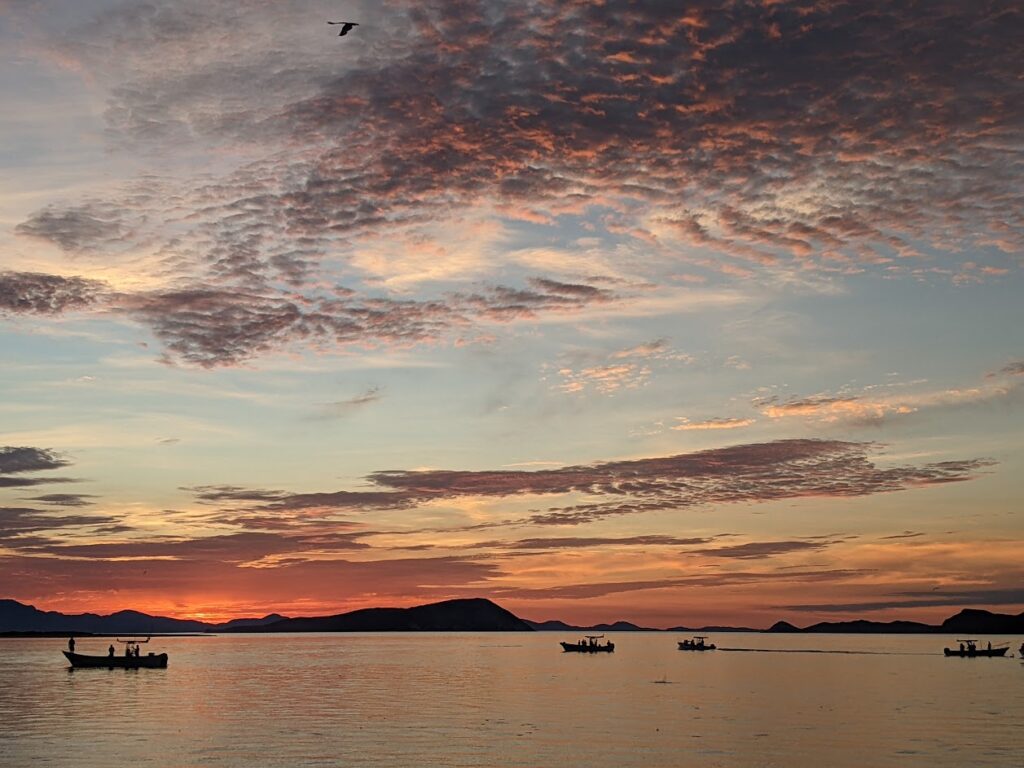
(346, 26)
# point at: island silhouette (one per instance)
(460, 615)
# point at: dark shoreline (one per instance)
(45, 634)
(459, 615)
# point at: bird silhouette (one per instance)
(346, 26)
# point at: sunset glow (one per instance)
(597, 310)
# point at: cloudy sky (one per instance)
(679, 313)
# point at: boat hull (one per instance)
(978, 652)
(696, 648)
(149, 661)
(583, 648)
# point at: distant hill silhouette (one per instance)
(474, 615)
(783, 626)
(560, 626)
(713, 628)
(237, 623)
(970, 621)
(554, 626)
(974, 621)
(859, 626)
(18, 617)
(471, 615)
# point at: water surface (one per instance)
(514, 700)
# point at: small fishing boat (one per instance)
(130, 659)
(969, 649)
(696, 644)
(589, 644)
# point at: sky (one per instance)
(676, 313)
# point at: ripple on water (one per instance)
(472, 700)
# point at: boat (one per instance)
(696, 644)
(969, 649)
(589, 644)
(130, 659)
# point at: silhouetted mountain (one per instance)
(714, 629)
(970, 621)
(554, 625)
(560, 626)
(472, 615)
(476, 615)
(18, 617)
(863, 626)
(234, 623)
(621, 626)
(973, 621)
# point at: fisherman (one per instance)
(71, 644)
(990, 645)
(961, 647)
(110, 651)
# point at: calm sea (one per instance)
(514, 700)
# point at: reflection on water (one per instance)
(505, 700)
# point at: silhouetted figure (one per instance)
(346, 26)
(990, 645)
(110, 651)
(961, 647)
(71, 644)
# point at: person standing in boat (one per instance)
(110, 651)
(71, 644)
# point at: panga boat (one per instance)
(970, 649)
(697, 644)
(131, 659)
(589, 645)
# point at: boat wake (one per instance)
(819, 650)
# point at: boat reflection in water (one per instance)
(969, 649)
(589, 644)
(697, 644)
(130, 659)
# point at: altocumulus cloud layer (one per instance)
(274, 522)
(737, 474)
(267, 539)
(839, 136)
(217, 326)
